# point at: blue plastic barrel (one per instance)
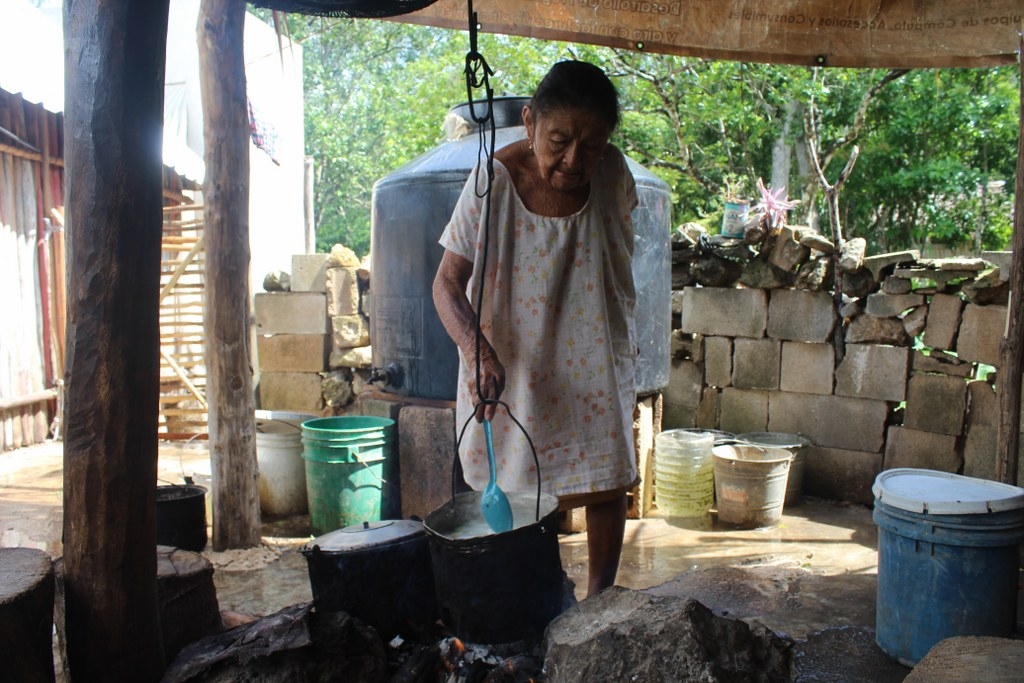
(948, 559)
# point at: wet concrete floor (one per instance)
(812, 578)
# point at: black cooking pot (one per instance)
(378, 572)
(181, 516)
(497, 588)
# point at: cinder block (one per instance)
(800, 315)
(292, 352)
(873, 371)
(980, 333)
(709, 409)
(807, 368)
(349, 331)
(342, 291)
(724, 311)
(291, 313)
(856, 424)
(426, 444)
(756, 363)
(295, 391)
(980, 454)
(943, 321)
(906, 447)
(718, 361)
(743, 410)
(309, 272)
(936, 403)
(682, 393)
(685, 383)
(882, 305)
(839, 474)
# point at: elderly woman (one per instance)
(557, 324)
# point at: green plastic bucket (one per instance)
(345, 459)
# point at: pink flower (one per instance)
(774, 205)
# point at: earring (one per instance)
(529, 144)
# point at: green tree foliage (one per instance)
(937, 148)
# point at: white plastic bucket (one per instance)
(282, 480)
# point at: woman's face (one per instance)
(568, 144)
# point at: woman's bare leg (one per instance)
(606, 526)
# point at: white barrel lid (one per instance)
(943, 493)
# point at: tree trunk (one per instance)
(232, 418)
(114, 81)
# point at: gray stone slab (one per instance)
(718, 361)
(1001, 260)
(873, 371)
(724, 311)
(936, 403)
(877, 264)
(943, 321)
(906, 447)
(756, 363)
(426, 444)
(882, 305)
(840, 474)
(292, 352)
(743, 410)
(980, 333)
(800, 315)
(807, 368)
(942, 363)
(915, 321)
(869, 329)
(856, 424)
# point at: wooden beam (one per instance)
(114, 87)
(232, 421)
(1011, 348)
(856, 33)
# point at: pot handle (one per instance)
(533, 450)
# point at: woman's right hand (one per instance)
(459, 320)
(492, 381)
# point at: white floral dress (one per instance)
(559, 310)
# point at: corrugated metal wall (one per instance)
(31, 270)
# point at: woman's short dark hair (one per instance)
(577, 85)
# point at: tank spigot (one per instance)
(390, 376)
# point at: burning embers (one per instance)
(452, 660)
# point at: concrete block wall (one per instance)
(313, 342)
(909, 386)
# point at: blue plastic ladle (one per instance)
(494, 503)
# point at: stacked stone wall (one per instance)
(898, 370)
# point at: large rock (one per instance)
(295, 644)
(625, 635)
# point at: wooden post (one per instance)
(232, 415)
(114, 88)
(1011, 350)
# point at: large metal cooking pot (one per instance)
(379, 572)
(497, 588)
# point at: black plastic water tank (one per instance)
(411, 207)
